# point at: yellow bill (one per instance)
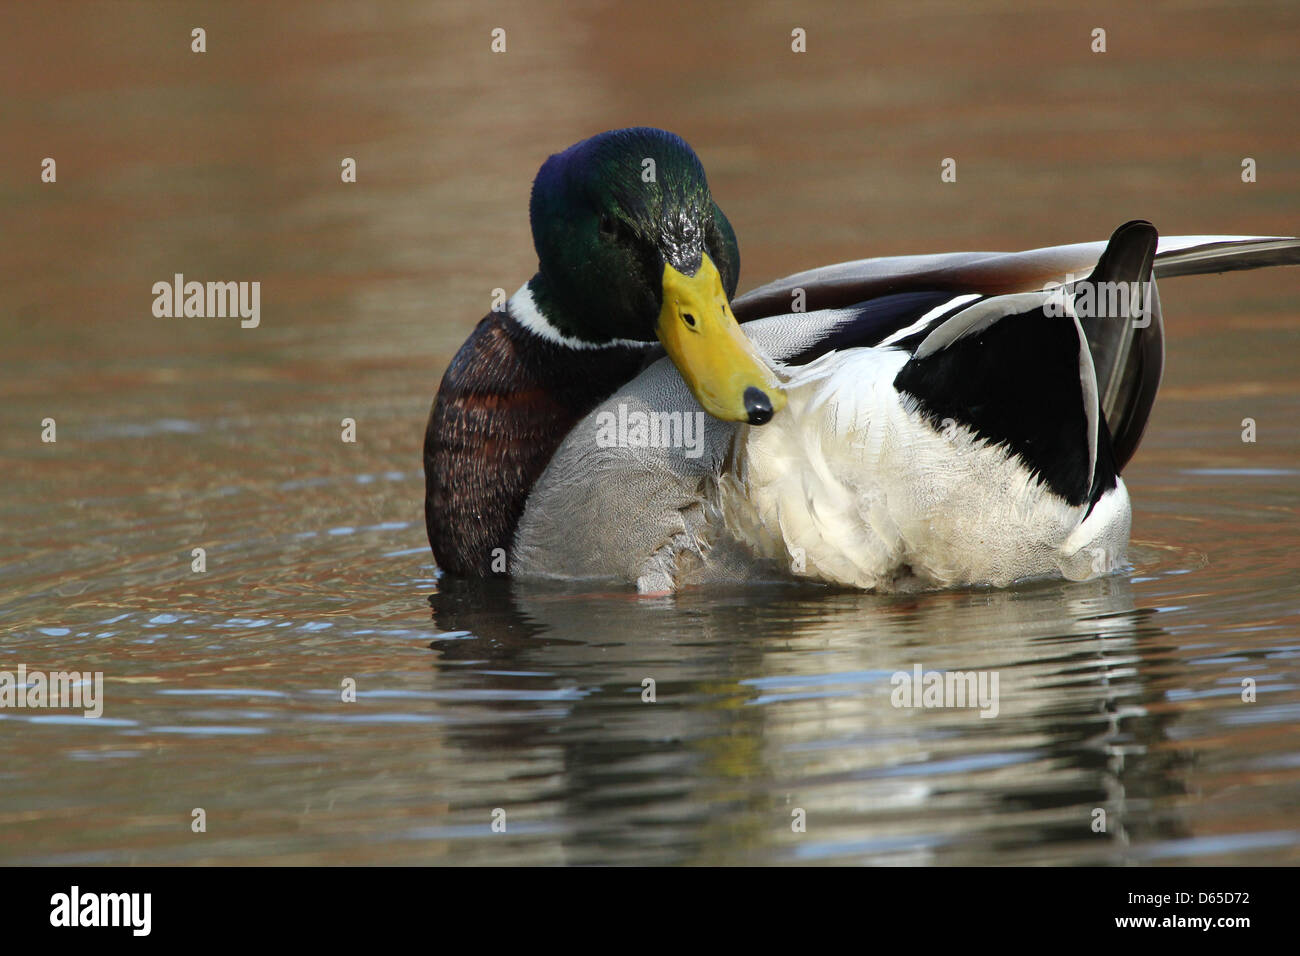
(724, 371)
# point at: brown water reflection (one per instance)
(223, 688)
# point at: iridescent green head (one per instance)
(631, 245)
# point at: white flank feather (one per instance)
(853, 486)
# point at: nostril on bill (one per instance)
(758, 406)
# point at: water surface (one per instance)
(224, 688)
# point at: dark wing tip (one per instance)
(1128, 350)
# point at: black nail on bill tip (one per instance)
(758, 406)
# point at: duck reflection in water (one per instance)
(716, 714)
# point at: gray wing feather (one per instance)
(623, 512)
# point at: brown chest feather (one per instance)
(505, 404)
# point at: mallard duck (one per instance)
(922, 421)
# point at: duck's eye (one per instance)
(688, 319)
(608, 226)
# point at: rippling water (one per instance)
(223, 688)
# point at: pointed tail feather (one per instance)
(1198, 255)
(998, 273)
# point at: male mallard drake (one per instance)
(924, 420)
